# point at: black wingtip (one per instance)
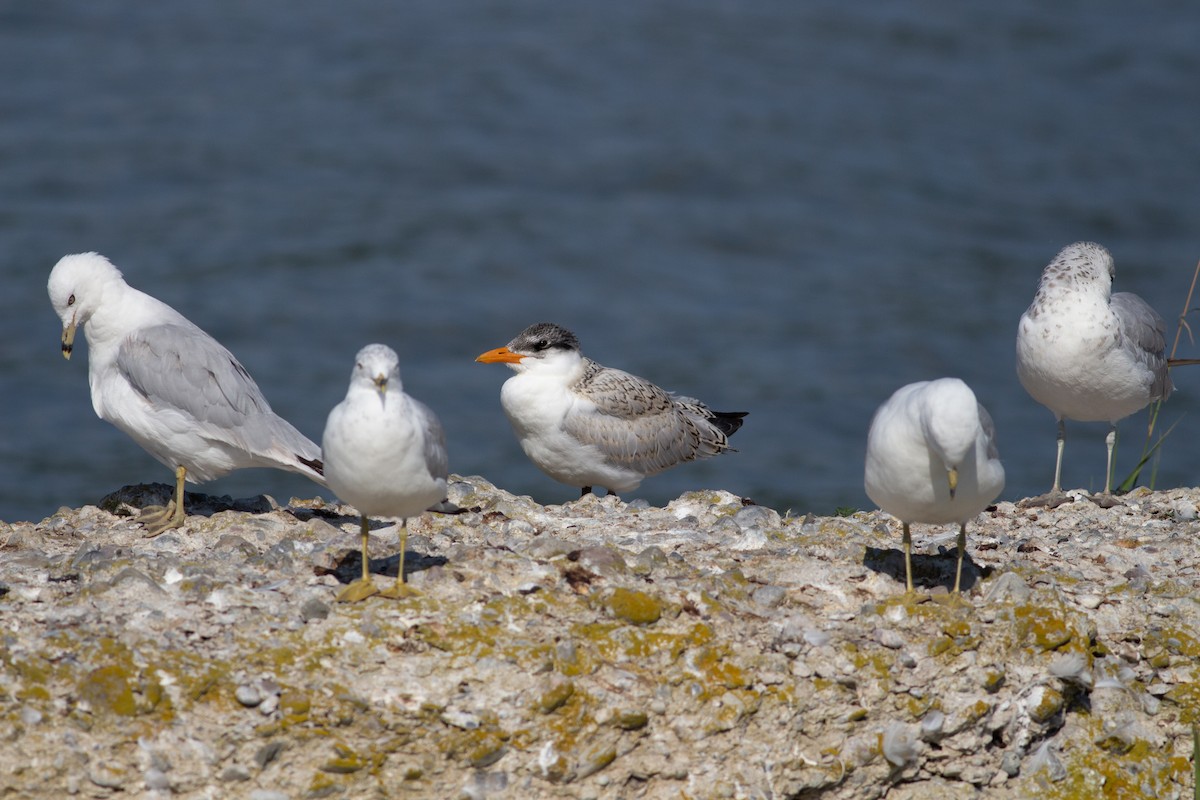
(728, 422)
(314, 464)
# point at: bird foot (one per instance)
(1048, 500)
(357, 591)
(157, 519)
(399, 591)
(1106, 500)
(911, 597)
(952, 600)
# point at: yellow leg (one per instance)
(962, 546)
(363, 588)
(366, 558)
(907, 540)
(157, 519)
(400, 590)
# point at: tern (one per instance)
(587, 425)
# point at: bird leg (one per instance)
(907, 540)
(1055, 497)
(400, 590)
(158, 519)
(1110, 442)
(1062, 441)
(962, 546)
(362, 588)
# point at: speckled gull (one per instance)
(385, 454)
(1087, 354)
(587, 425)
(932, 458)
(169, 385)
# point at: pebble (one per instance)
(314, 608)
(769, 596)
(156, 780)
(234, 773)
(248, 695)
(889, 638)
(106, 776)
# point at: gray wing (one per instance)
(989, 432)
(638, 425)
(1143, 333)
(181, 367)
(436, 459)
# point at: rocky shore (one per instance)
(600, 649)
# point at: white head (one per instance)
(377, 369)
(950, 422)
(77, 286)
(541, 345)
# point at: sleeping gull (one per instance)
(931, 457)
(169, 385)
(385, 454)
(587, 425)
(1086, 355)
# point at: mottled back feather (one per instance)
(640, 426)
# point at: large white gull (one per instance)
(169, 385)
(1088, 354)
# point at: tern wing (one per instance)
(639, 425)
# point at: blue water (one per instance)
(784, 208)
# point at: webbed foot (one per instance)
(399, 591)
(157, 519)
(357, 591)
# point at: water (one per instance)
(785, 208)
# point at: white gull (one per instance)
(1088, 354)
(169, 385)
(385, 454)
(932, 458)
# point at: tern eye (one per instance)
(71, 300)
(540, 345)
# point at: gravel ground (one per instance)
(710, 649)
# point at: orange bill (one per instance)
(501, 355)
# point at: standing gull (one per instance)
(1086, 355)
(587, 425)
(931, 457)
(169, 385)
(385, 454)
